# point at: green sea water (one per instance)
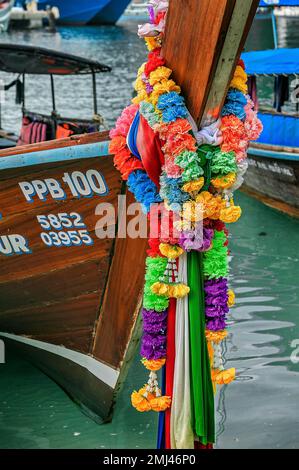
(261, 408)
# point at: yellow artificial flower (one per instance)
(159, 288)
(171, 251)
(160, 404)
(194, 186)
(141, 70)
(224, 182)
(240, 80)
(216, 336)
(139, 85)
(178, 291)
(166, 86)
(153, 42)
(223, 377)
(230, 214)
(211, 205)
(161, 88)
(192, 211)
(231, 298)
(171, 291)
(160, 74)
(154, 365)
(141, 96)
(140, 402)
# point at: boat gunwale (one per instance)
(274, 151)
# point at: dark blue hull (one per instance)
(77, 12)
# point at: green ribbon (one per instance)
(202, 394)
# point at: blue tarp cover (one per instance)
(277, 61)
(279, 3)
(279, 129)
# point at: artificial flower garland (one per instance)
(203, 168)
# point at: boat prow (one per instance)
(68, 299)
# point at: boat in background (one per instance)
(278, 3)
(69, 304)
(36, 127)
(88, 11)
(273, 174)
(5, 12)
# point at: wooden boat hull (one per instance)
(273, 177)
(71, 309)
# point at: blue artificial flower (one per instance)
(144, 190)
(171, 190)
(235, 104)
(173, 113)
(169, 100)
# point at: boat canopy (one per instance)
(272, 62)
(25, 59)
(279, 3)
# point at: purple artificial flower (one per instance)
(149, 88)
(151, 12)
(154, 322)
(199, 239)
(216, 302)
(153, 347)
(154, 340)
(218, 324)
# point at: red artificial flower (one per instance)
(154, 61)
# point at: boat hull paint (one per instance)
(65, 306)
(87, 12)
(87, 388)
(273, 177)
(111, 13)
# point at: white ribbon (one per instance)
(181, 432)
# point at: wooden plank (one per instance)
(122, 301)
(53, 286)
(69, 322)
(271, 202)
(55, 144)
(19, 216)
(203, 52)
(75, 152)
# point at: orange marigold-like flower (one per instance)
(216, 336)
(154, 365)
(140, 402)
(117, 144)
(211, 205)
(176, 144)
(224, 182)
(234, 134)
(230, 214)
(160, 404)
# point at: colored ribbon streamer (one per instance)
(181, 432)
(170, 361)
(201, 382)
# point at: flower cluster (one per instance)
(201, 169)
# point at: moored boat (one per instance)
(273, 174)
(5, 12)
(87, 12)
(62, 302)
(73, 305)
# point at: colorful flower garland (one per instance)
(200, 168)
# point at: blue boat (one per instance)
(77, 12)
(273, 174)
(279, 3)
